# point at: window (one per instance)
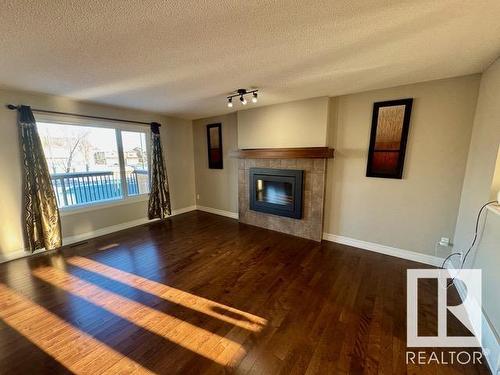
(135, 157)
(91, 164)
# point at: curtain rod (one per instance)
(15, 107)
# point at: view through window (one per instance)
(90, 164)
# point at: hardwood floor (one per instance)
(200, 293)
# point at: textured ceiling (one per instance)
(183, 57)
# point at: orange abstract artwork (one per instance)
(390, 125)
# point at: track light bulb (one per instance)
(254, 98)
(243, 100)
(230, 102)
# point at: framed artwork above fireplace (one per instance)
(389, 133)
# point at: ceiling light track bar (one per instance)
(15, 107)
(241, 92)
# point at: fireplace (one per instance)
(276, 191)
(291, 194)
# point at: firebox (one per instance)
(276, 191)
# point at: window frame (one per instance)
(118, 128)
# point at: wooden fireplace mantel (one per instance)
(283, 153)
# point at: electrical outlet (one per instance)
(445, 241)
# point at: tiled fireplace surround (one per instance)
(311, 224)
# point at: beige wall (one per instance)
(495, 184)
(177, 142)
(482, 154)
(412, 213)
(216, 188)
(301, 123)
(476, 191)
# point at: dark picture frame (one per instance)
(214, 146)
(388, 138)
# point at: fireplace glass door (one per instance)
(276, 191)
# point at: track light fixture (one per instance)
(254, 97)
(241, 93)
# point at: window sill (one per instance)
(78, 209)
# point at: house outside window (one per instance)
(93, 164)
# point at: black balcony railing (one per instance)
(87, 187)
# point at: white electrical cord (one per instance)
(462, 263)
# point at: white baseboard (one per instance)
(489, 341)
(89, 235)
(383, 249)
(18, 254)
(103, 231)
(183, 210)
(216, 211)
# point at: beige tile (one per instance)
(298, 228)
(307, 213)
(243, 193)
(306, 182)
(319, 165)
(316, 235)
(263, 219)
(316, 213)
(275, 163)
(262, 163)
(241, 176)
(306, 198)
(243, 204)
(305, 164)
(249, 163)
(289, 163)
(317, 183)
(274, 222)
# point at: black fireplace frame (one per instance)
(294, 176)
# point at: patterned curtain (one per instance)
(159, 198)
(42, 224)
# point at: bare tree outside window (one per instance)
(85, 164)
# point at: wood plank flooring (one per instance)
(200, 293)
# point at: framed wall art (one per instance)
(214, 142)
(389, 133)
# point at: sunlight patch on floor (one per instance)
(72, 348)
(214, 309)
(191, 337)
(107, 247)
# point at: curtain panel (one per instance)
(42, 223)
(159, 198)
